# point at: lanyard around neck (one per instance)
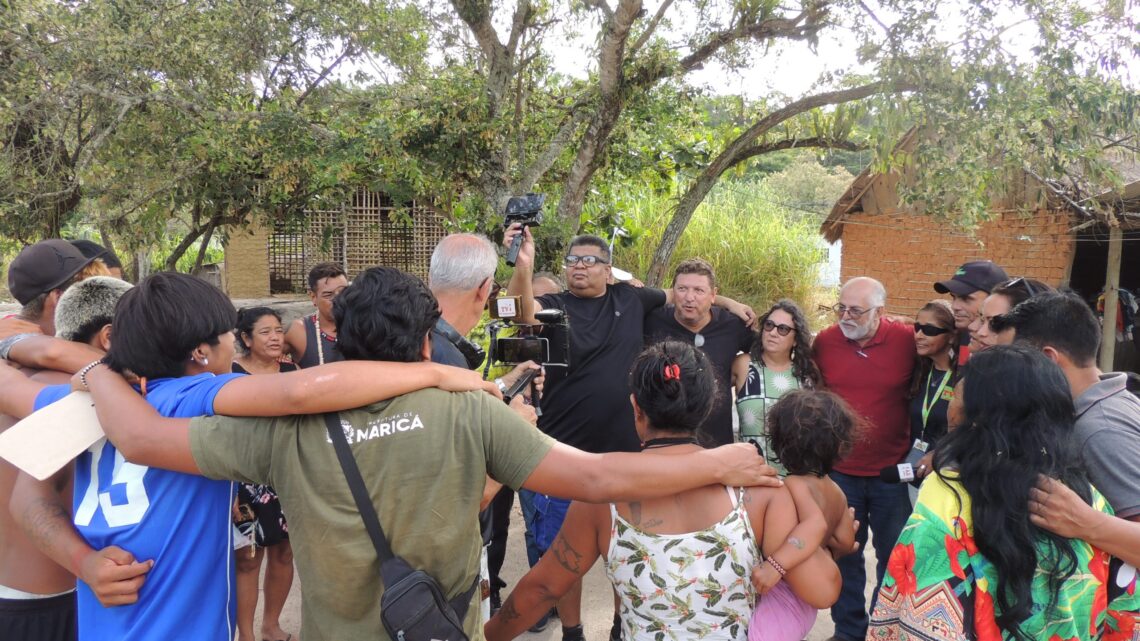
(928, 403)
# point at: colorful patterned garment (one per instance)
(938, 586)
(761, 389)
(684, 586)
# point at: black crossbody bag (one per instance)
(413, 606)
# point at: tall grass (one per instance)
(760, 250)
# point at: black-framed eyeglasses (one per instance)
(781, 329)
(854, 312)
(570, 260)
(929, 330)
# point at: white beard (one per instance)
(854, 331)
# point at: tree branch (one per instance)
(557, 144)
(348, 49)
(795, 143)
(650, 28)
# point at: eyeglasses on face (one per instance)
(854, 312)
(998, 324)
(929, 330)
(781, 329)
(570, 260)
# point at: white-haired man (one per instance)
(867, 359)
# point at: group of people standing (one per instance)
(990, 402)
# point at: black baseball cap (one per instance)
(978, 275)
(42, 267)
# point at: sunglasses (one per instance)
(781, 329)
(929, 330)
(1024, 283)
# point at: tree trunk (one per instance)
(203, 246)
(741, 149)
(183, 247)
(591, 153)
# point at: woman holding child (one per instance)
(680, 565)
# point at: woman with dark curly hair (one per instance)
(970, 556)
(781, 362)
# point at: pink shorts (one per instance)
(780, 615)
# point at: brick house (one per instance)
(370, 230)
(1054, 242)
(908, 252)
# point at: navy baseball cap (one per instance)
(978, 275)
(42, 267)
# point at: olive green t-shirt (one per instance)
(423, 457)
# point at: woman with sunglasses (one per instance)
(932, 385)
(781, 362)
(1003, 298)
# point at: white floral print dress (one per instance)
(684, 586)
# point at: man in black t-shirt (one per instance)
(720, 335)
(587, 404)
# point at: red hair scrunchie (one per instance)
(673, 372)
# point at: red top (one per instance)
(875, 382)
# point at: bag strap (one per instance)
(356, 485)
(367, 510)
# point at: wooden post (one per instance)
(1111, 287)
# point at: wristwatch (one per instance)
(502, 385)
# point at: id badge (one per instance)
(917, 451)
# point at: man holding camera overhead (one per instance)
(587, 404)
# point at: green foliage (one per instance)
(759, 249)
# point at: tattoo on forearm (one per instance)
(635, 513)
(796, 543)
(508, 612)
(565, 555)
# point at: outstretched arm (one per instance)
(48, 352)
(572, 554)
(603, 478)
(339, 386)
(17, 391)
(520, 284)
(112, 573)
(139, 432)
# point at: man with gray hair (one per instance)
(867, 359)
(461, 278)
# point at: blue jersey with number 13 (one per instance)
(181, 521)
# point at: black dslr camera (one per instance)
(527, 211)
(547, 343)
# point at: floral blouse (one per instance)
(684, 586)
(938, 586)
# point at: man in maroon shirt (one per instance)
(867, 359)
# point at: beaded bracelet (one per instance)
(776, 564)
(87, 368)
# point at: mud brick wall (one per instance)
(908, 253)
